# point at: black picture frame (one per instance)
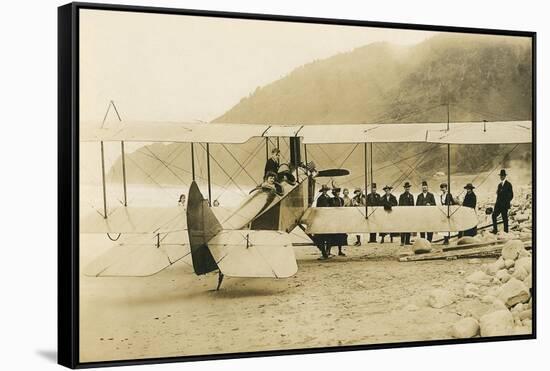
(68, 180)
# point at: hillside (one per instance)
(481, 77)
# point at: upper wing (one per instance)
(501, 132)
(399, 219)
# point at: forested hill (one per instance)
(481, 77)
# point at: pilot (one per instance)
(406, 199)
(387, 201)
(269, 183)
(337, 239)
(272, 164)
(373, 199)
(446, 199)
(324, 199)
(425, 199)
(470, 200)
(505, 194)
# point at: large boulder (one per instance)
(465, 328)
(511, 249)
(525, 263)
(520, 273)
(440, 298)
(498, 323)
(513, 292)
(421, 246)
(503, 275)
(467, 240)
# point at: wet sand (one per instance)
(367, 297)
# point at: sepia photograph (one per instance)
(251, 185)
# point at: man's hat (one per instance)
(358, 190)
(424, 183)
(387, 187)
(373, 185)
(407, 185)
(469, 186)
(503, 172)
(275, 150)
(443, 185)
(324, 187)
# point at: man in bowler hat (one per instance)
(505, 194)
(406, 199)
(373, 199)
(425, 199)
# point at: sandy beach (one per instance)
(367, 297)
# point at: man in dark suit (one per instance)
(337, 239)
(505, 194)
(321, 240)
(425, 199)
(406, 199)
(387, 201)
(272, 164)
(446, 199)
(470, 200)
(373, 199)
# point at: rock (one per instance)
(492, 268)
(514, 292)
(471, 291)
(479, 277)
(421, 246)
(517, 308)
(467, 240)
(474, 261)
(528, 323)
(440, 298)
(503, 275)
(509, 263)
(526, 314)
(511, 249)
(521, 330)
(500, 263)
(498, 305)
(521, 218)
(497, 323)
(489, 237)
(520, 274)
(503, 236)
(525, 263)
(465, 328)
(487, 299)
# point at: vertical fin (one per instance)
(202, 225)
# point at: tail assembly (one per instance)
(202, 225)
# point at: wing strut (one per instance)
(103, 181)
(366, 183)
(123, 172)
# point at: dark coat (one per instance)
(406, 199)
(470, 200)
(505, 194)
(358, 200)
(422, 200)
(392, 201)
(373, 199)
(336, 202)
(271, 165)
(323, 201)
(449, 200)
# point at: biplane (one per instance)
(253, 240)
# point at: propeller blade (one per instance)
(332, 173)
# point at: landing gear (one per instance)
(220, 280)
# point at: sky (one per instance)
(158, 67)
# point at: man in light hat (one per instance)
(505, 194)
(358, 200)
(470, 200)
(446, 199)
(373, 199)
(272, 164)
(387, 201)
(425, 199)
(406, 199)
